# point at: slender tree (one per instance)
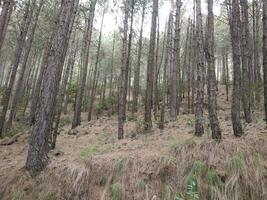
(137, 67)
(246, 61)
(85, 58)
(199, 126)
(235, 37)
(264, 54)
(214, 122)
(123, 82)
(24, 64)
(150, 67)
(7, 9)
(24, 25)
(93, 89)
(175, 76)
(38, 148)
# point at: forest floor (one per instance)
(90, 163)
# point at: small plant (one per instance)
(116, 193)
(88, 152)
(178, 196)
(16, 195)
(119, 165)
(192, 188)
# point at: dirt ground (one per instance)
(91, 154)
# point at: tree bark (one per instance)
(175, 76)
(85, 50)
(24, 64)
(123, 78)
(5, 15)
(235, 36)
(199, 124)
(264, 55)
(25, 23)
(137, 67)
(150, 68)
(93, 90)
(214, 122)
(39, 145)
(246, 61)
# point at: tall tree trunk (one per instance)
(25, 23)
(264, 55)
(112, 65)
(38, 148)
(189, 68)
(128, 60)
(150, 68)
(24, 64)
(62, 91)
(246, 61)
(137, 67)
(37, 88)
(123, 78)
(199, 124)
(235, 36)
(175, 76)
(214, 122)
(256, 61)
(86, 46)
(5, 15)
(93, 90)
(226, 74)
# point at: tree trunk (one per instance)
(175, 76)
(37, 89)
(112, 65)
(264, 55)
(214, 122)
(150, 68)
(137, 68)
(123, 78)
(246, 61)
(85, 51)
(235, 36)
(38, 148)
(5, 15)
(25, 23)
(24, 64)
(256, 61)
(199, 124)
(93, 90)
